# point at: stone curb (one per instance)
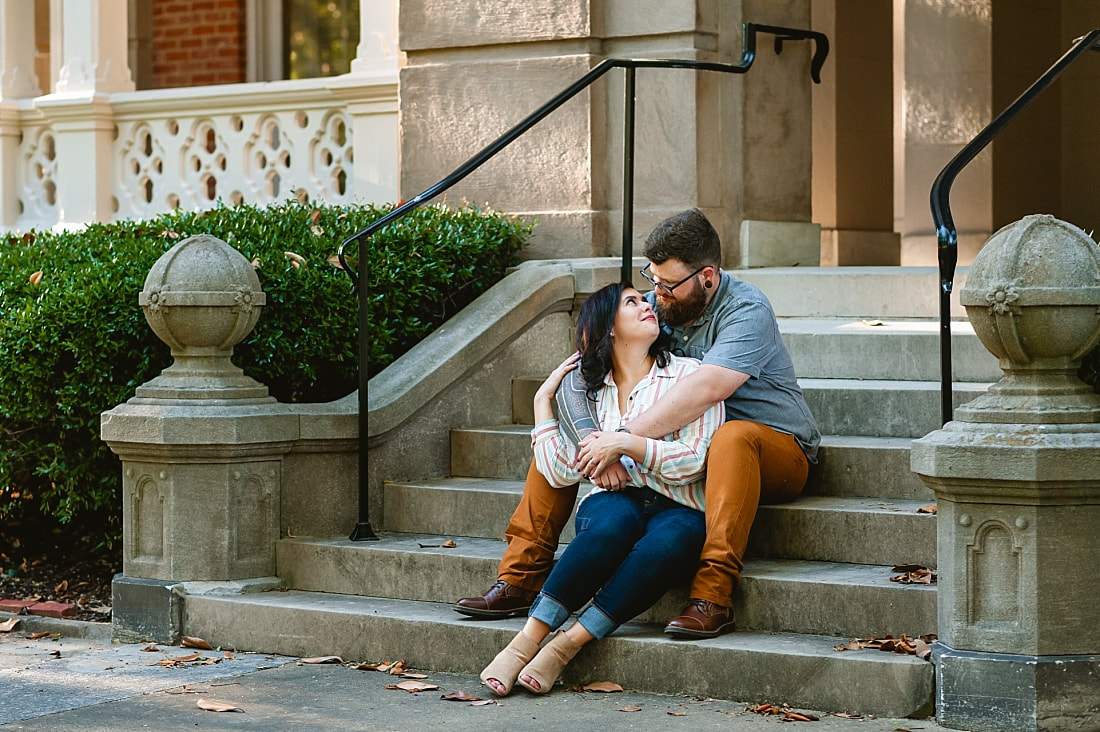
(67, 628)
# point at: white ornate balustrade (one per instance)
(192, 147)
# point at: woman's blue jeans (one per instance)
(630, 547)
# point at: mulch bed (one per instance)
(36, 562)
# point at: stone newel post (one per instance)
(201, 444)
(1017, 481)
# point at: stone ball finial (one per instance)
(1033, 296)
(202, 293)
(202, 297)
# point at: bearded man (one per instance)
(760, 455)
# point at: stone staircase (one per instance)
(817, 572)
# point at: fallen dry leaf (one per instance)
(179, 660)
(783, 711)
(9, 625)
(217, 706)
(913, 574)
(36, 277)
(449, 544)
(334, 260)
(61, 586)
(483, 703)
(255, 263)
(460, 696)
(229, 656)
(192, 642)
(413, 686)
(151, 648)
(606, 687)
(630, 709)
(296, 260)
(36, 636)
(799, 717)
(414, 676)
(315, 216)
(930, 508)
(871, 322)
(396, 668)
(676, 714)
(321, 659)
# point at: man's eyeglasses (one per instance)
(668, 288)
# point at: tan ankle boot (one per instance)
(545, 667)
(506, 666)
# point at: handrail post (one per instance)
(628, 176)
(363, 530)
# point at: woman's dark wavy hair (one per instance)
(594, 325)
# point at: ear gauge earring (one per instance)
(707, 284)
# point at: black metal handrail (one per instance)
(946, 235)
(363, 530)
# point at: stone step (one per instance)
(855, 530)
(881, 408)
(856, 292)
(851, 466)
(870, 407)
(830, 598)
(802, 670)
(847, 465)
(827, 528)
(903, 350)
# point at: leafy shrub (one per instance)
(74, 342)
(412, 290)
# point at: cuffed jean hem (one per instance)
(596, 622)
(549, 611)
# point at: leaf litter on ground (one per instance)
(783, 711)
(919, 646)
(913, 574)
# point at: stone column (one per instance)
(1018, 488)
(943, 96)
(93, 52)
(738, 146)
(201, 445)
(370, 92)
(17, 81)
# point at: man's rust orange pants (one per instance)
(748, 464)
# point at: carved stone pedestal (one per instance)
(201, 445)
(1017, 482)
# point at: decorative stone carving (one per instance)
(202, 298)
(1032, 295)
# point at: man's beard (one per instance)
(683, 310)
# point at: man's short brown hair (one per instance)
(688, 237)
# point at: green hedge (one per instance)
(74, 341)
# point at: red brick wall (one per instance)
(198, 42)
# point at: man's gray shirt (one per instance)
(738, 331)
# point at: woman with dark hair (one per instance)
(631, 545)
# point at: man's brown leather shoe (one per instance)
(701, 619)
(502, 600)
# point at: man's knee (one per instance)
(734, 436)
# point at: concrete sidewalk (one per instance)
(62, 682)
